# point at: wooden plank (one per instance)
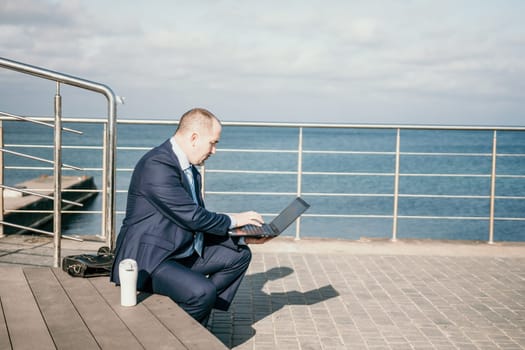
(189, 331)
(26, 327)
(107, 328)
(5, 343)
(63, 321)
(147, 328)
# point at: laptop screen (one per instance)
(288, 215)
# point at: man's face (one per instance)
(204, 143)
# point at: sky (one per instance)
(424, 62)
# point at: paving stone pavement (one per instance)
(329, 299)
(368, 294)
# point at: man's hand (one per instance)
(248, 218)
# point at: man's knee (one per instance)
(203, 294)
(245, 256)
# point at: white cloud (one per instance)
(376, 57)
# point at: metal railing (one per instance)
(396, 174)
(109, 146)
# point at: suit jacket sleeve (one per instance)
(165, 186)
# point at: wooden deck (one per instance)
(45, 308)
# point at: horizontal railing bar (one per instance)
(132, 148)
(289, 172)
(339, 126)
(268, 172)
(411, 153)
(47, 168)
(39, 195)
(443, 175)
(511, 176)
(251, 193)
(243, 150)
(28, 119)
(333, 173)
(461, 218)
(92, 120)
(51, 146)
(386, 153)
(443, 217)
(344, 173)
(72, 190)
(294, 172)
(83, 147)
(402, 153)
(38, 158)
(87, 236)
(26, 211)
(38, 231)
(66, 190)
(454, 154)
(325, 194)
(321, 194)
(138, 121)
(357, 216)
(81, 190)
(371, 126)
(248, 150)
(443, 196)
(122, 212)
(510, 197)
(352, 216)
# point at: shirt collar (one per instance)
(183, 158)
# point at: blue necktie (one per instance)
(198, 238)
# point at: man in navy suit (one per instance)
(183, 250)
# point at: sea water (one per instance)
(348, 176)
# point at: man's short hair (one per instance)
(196, 118)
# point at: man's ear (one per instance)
(193, 138)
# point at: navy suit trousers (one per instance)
(199, 284)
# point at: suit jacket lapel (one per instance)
(176, 162)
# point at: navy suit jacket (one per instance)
(161, 216)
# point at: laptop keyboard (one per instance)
(256, 230)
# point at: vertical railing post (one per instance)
(493, 188)
(57, 202)
(299, 179)
(104, 177)
(111, 172)
(396, 186)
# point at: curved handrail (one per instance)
(110, 140)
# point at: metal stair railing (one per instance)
(29, 192)
(108, 187)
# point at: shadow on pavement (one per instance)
(252, 304)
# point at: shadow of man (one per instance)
(252, 304)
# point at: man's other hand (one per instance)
(248, 218)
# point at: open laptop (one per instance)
(277, 226)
